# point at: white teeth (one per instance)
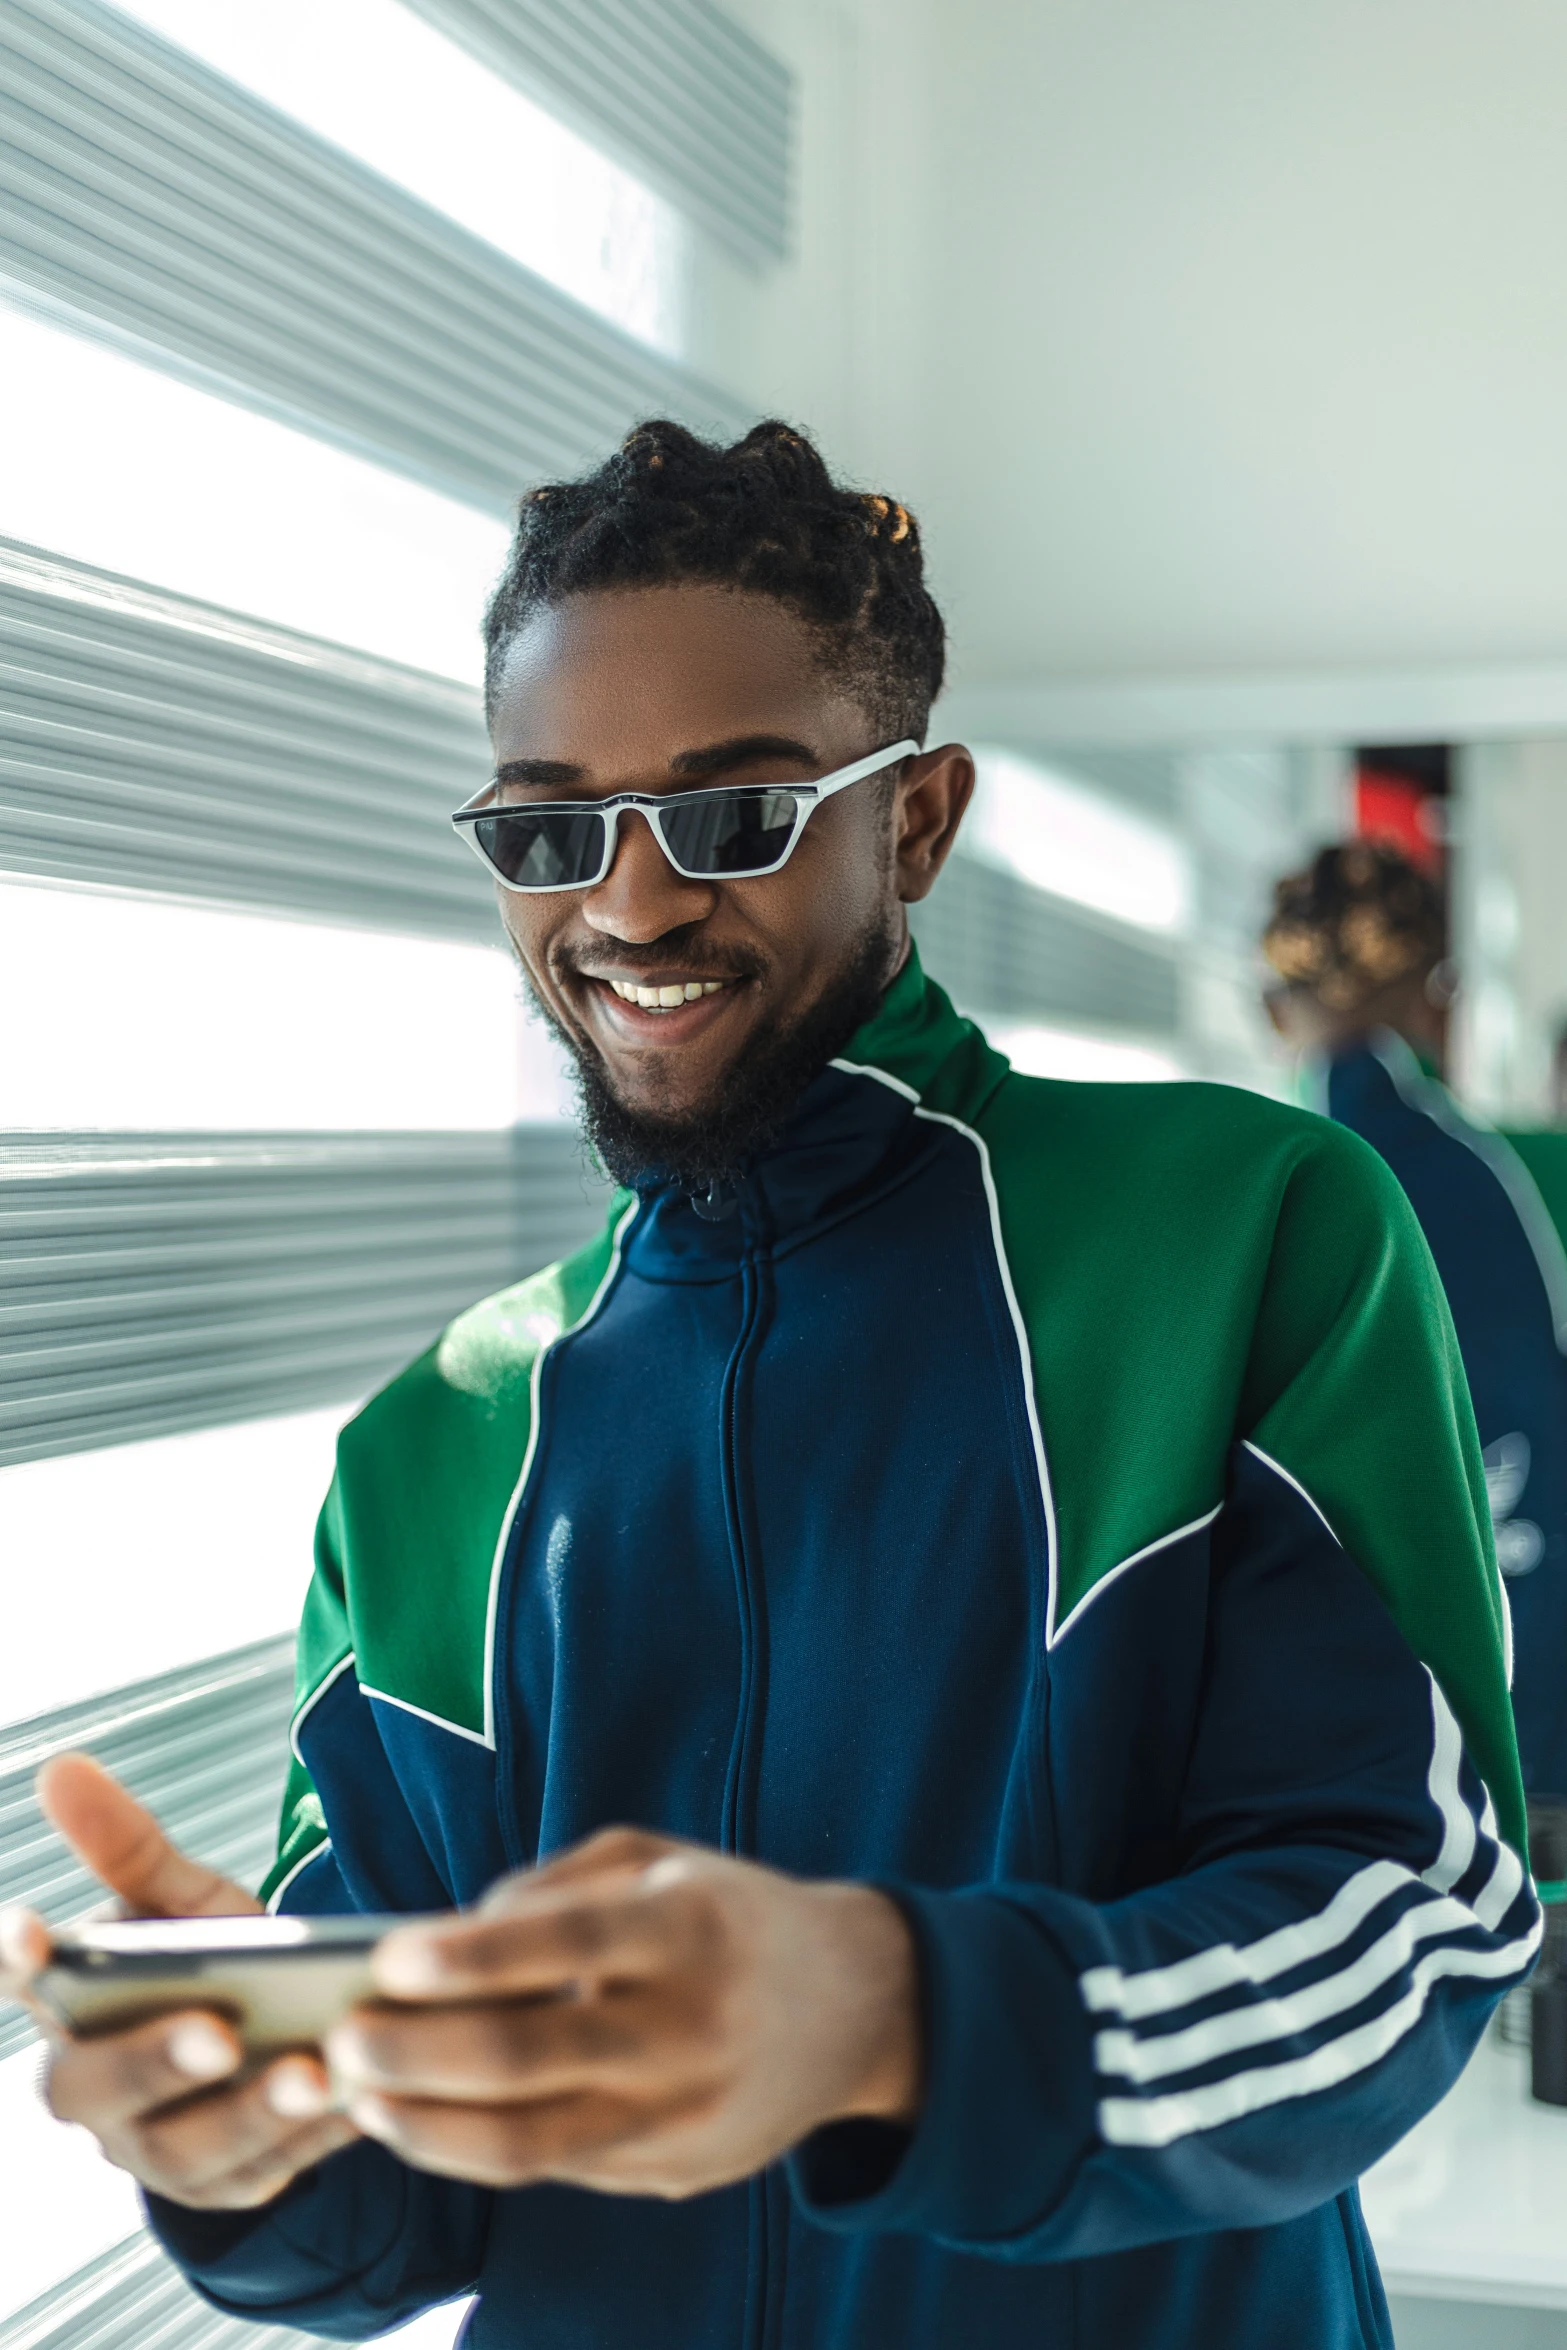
(664, 999)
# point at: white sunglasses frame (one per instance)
(649, 804)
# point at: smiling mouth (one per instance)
(665, 996)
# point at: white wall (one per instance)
(1224, 337)
(1510, 937)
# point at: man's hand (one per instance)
(639, 2016)
(158, 2099)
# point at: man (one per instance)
(955, 1519)
(1358, 942)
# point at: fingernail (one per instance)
(15, 1953)
(404, 1964)
(344, 2050)
(296, 2090)
(199, 2049)
(371, 2114)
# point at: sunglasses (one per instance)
(730, 833)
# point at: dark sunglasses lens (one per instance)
(543, 848)
(730, 832)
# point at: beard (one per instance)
(705, 1150)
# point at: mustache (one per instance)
(692, 956)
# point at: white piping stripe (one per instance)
(1458, 1827)
(499, 1560)
(316, 1852)
(882, 1077)
(1149, 1548)
(1025, 1358)
(1026, 1362)
(1431, 1099)
(1158, 2121)
(439, 1721)
(1279, 1470)
(1160, 1990)
(1226, 1966)
(1505, 1883)
(343, 1665)
(1282, 2019)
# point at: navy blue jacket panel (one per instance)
(1208, 1897)
(1501, 1265)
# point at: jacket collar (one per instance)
(852, 1133)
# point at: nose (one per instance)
(642, 896)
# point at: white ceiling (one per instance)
(1227, 337)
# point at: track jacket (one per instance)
(1505, 1276)
(1057, 1503)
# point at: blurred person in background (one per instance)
(1358, 943)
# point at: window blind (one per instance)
(204, 1747)
(149, 742)
(162, 1282)
(133, 2293)
(676, 88)
(146, 198)
(1004, 950)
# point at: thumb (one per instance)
(126, 1849)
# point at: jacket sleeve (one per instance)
(1235, 2042)
(363, 2242)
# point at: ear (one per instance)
(932, 793)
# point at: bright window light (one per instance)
(122, 466)
(1065, 837)
(1074, 1053)
(63, 2203)
(126, 1013)
(375, 79)
(104, 1613)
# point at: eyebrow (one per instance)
(741, 751)
(711, 759)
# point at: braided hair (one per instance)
(763, 516)
(1359, 918)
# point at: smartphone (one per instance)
(281, 1981)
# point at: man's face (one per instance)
(670, 689)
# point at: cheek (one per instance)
(529, 926)
(832, 886)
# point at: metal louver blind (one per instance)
(147, 742)
(133, 2293)
(204, 1747)
(160, 1282)
(676, 88)
(147, 198)
(1002, 949)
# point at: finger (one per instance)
(124, 1846)
(234, 2134)
(516, 2052)
(558, 1939)
(108, 2081)
(612, 1851)
(498, 2145)
(250, 2184)
(24, 1951)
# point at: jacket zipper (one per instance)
(738, 1831)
